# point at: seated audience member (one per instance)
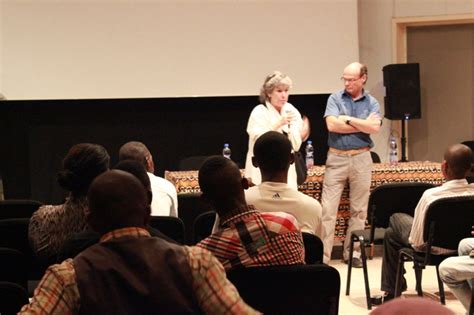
(272, 155)
(130, 272)
(51, 225)
(412, 306)
(245, 237)
(165, 198)
(80, 241)
(406, 231)
(458, 272)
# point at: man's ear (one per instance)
(254, 162)
(292, 158)
(444, 168)
(245, 183)
(150, 165)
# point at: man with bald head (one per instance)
(351, 116)
(130, 272)
(245, 237)
(406, 231)
(165, 199)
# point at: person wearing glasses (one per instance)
(275, 114)
(351, 116)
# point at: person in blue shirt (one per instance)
(351, 116)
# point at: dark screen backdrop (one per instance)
(36, 134)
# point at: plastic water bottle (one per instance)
(393, 158)
(309, 154)
(226, 151)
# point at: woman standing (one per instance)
(275, 114)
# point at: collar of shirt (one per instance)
(251, 212)
(362, 96)
(128, 231)
(456, 182)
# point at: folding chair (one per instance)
(447, 222)
(384, 201)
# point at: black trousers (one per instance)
(396, 238)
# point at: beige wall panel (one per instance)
(404, 8)
(375, 50)
(445, 54)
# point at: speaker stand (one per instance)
(404, 142)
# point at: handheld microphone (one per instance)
(288, 111)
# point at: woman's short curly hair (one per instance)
(273, 80)
(83, 163)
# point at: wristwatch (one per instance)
(348, 121)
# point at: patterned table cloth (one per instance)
(382, 173)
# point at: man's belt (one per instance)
(349, 152)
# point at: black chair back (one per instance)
(13, 267)
(14, 234)
(448, 221)
(190, 206)
(297, 289)
(203, 224)
(18, 208)
(388, 199)
(12, 298)
(192, 162)
(313, 249)
(170, 226)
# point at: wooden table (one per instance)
(382, 173)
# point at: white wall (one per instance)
(375, 33)
(105, 48)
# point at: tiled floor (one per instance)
(355, 303)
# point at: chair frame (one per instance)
(379, 219)
(461, 216)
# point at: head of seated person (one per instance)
(272, 155)
(223, 186)
(457, 162)
(83, 163)
(137, 151)
(117, 199)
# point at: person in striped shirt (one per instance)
(245, 237)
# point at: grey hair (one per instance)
(273, 80)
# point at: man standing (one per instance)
(351, 116)
(165, 198)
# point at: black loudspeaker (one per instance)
(402, 91)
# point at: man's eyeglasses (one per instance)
(351, 80)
